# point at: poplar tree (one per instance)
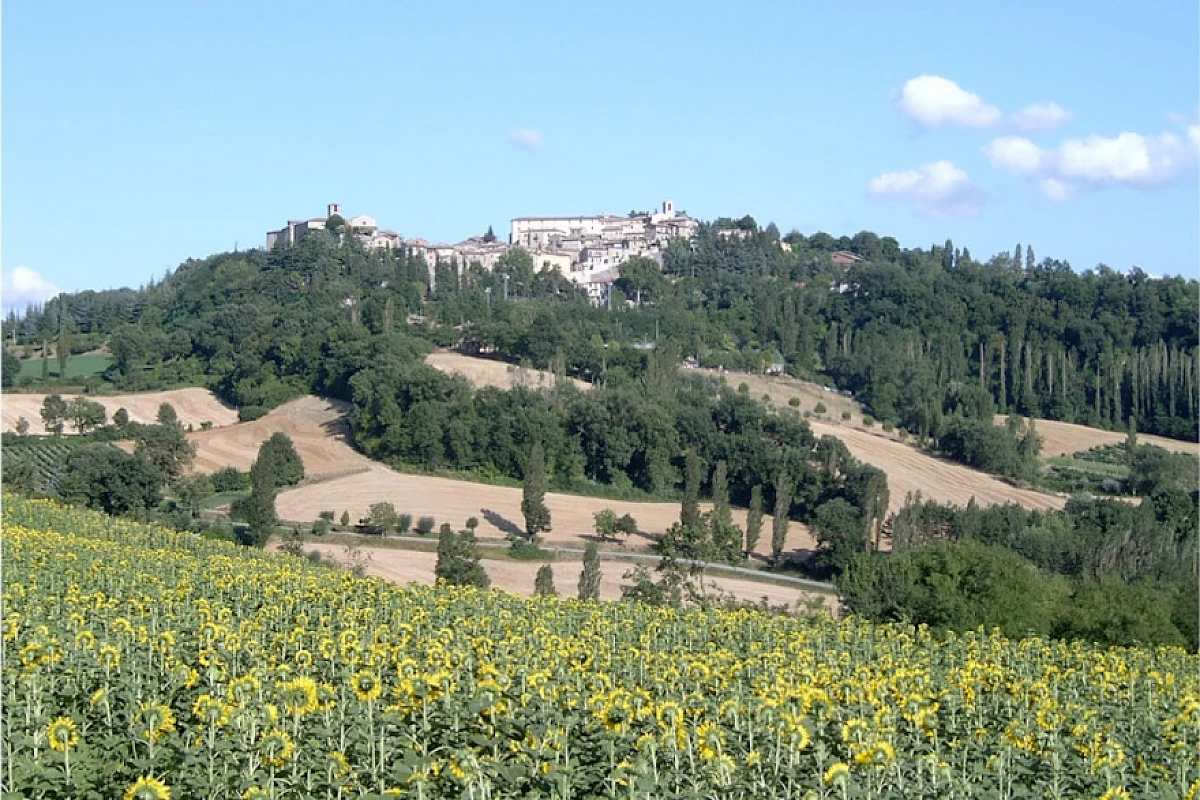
(779, 525)
(689, 515)
(589, 578)
(754, 519)
(533, 496)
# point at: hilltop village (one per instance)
(588, 250)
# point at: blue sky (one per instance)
(138, 134)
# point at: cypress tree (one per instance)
(589, 578)
(720, 495)
(689, 515)
(544, 582)
(62, 349)
(779, 525)
(754, 519)
(533, 496)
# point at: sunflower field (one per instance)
(140, 662)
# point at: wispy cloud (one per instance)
(933, 101)
(938, 190)
(22, 286)
(1046, 116)
(527, 139)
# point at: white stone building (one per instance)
(363, 227)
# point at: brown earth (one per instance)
(498, 508)
(338, 478)
(910, 470)
(192, 405)
(316, 426)
(782, 388)
(407, 566)
(486, 372)
(1065, 438)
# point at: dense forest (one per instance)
(918, 335)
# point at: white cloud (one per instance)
(22, 286)
(1015, 153)
(932, 101)
(1042, 117)
(938, 190)
(527, 139)
(1128, 159)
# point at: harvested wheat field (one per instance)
(1065, 438)
(407, 566)
(487, 372)
(316, 426)
(498, 508)
(910, 470)
(782, 388)
(193, 406)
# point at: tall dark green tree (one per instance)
(754, 518)
(783, 506)
(533, 494)
(10, 367)
(258, 510)
(543, 584)
(689, 515)
(589, 578)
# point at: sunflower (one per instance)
(299, 696)
(210, 710)
(366, 685)
(62, 735)
(148, 787)
(256, 793)
(155, 721)
(836, 774)
(277, 747)
(1115, 793)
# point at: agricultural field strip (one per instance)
(155, 660)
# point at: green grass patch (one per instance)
(84, 366)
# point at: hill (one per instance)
(193, 406)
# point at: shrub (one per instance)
(320, 527)
(868, 421)
(229, 479)
(326, 515)
(743, 388)
(345, 519)
(820, 408)
(251, 413)
(525, 550)
(425, 525)
(846, 415)
(794, 402)
(403, 523)
(887, 427)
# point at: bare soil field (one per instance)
(316, 426)
(498, 508)
(407, 566)
(1065, 438)
(782, 388)
(487, 372)
(193, 406)
(910, 470)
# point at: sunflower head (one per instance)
(62, 735)
(366, 685)
(148, 787)
(276, 747)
